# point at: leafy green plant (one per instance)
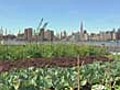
(48, 51)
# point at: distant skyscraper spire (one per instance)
(6, 31)
(81, 27)
(81, 32)
(1, 31)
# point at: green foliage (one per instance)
(48, 51)
(97, 74)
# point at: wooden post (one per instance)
(78, 78)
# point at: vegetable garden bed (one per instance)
(58, 67)
(93, 76)
(49, 62)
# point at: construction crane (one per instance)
(45, 25)
(38, 28)
(39, 32)
(40, 24)
(42, 30)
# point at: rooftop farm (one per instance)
(58, 67)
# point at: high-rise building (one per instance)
(81, 28)
(49, 35)
(42, 34)
(1, 33)
(28, 34)
(81, 32)
(113, 34)
(65, 34)
(118, 34)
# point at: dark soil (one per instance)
(47, 62)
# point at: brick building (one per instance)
(48, 35)
(28, 34)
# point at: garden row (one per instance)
(48, 51)
(49, 62)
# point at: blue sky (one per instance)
(97, 15)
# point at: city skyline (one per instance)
(97, 15)
(44, 34)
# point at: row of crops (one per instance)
(48, 51)
(97, 75)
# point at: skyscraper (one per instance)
(81, 32)
(81, 28)
(1, 33)
(28, 34)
